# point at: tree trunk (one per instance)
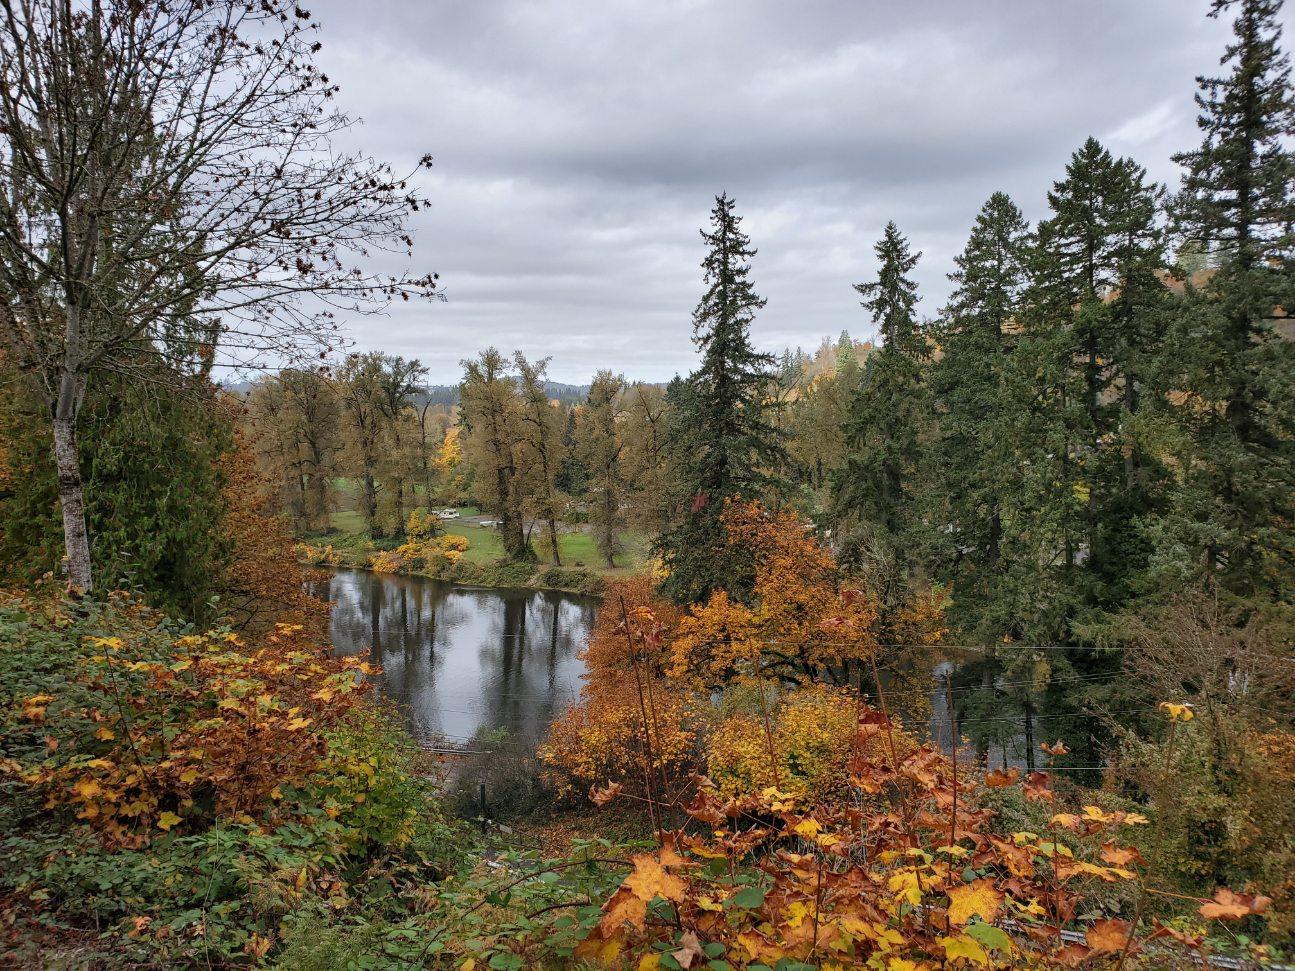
(553, 537)
(399, 532)
(371, 504)
(71, 495)
(986, 686)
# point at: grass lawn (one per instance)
(484, 546)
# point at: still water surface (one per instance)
(464, 662)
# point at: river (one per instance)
(465, 664)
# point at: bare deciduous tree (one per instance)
(169, 188)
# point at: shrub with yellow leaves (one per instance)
(309, 555)
(172, 798)
(149, 731)
(812, 730)
(420, 555)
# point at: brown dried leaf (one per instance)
(689, 952)
(1230, 905)
(602, 797)
(996, 779)
(1108, 935)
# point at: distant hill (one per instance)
(448, 394)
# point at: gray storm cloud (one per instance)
(578, 147)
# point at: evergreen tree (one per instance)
(572, 478)
(1091, 327)
(879, 489)
(845, 353)
(975, 448)
(1235, 508)
(1079, 479)
(150, 457)
(722, 432)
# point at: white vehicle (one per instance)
(447, 514)
(490, 522)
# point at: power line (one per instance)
(1060, 715)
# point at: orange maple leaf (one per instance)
(995, 779)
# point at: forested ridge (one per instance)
(968, 645)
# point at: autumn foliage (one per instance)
(264, 585)
(800, 825)
(913, 875)
(144, 735)
(803, 619)
(652, 663)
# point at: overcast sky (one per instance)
(578, 147)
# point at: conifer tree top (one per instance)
(1237, 191)
(729, 298)
(892, 297)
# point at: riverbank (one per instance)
(477, 561)
(501, 575)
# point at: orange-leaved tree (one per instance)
(804, 618)
(632, 726)
(264, 584)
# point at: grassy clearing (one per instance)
(582, 570)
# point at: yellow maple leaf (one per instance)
(906, 886)
(967, 948)
(599, 950)
(650, 880)
(808, 828)
(167, 820)
(977, 898)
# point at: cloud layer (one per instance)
(578, 148)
